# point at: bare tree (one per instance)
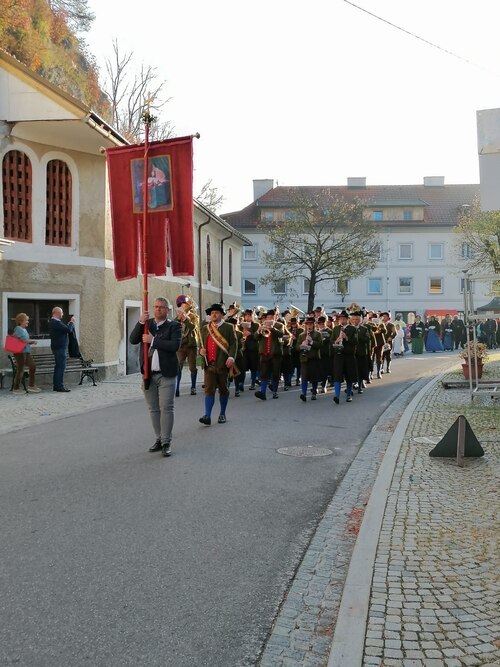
(129, 91)
(210, 196)
(321, 237)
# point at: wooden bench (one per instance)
(45, 366)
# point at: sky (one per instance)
(311, 93)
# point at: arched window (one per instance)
(16, 185)
(58, 204)
(209, 260)
(230, 267)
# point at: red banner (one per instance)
(169, 206)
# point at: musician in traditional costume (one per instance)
(309, 346)
(389, 338)
(344, 341)
(380, 334)
(270, 339)
(295, 330)
(240, 378)
(250, 362)
(286, 359)
(218, 348)
(326, 359)
(363, 349)
(189, 320)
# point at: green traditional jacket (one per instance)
(350, 342)
(326, 345)
(364, 345)
(188, 332)
(227, 331)
(315, 351)
(276, 340)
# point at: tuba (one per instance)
(295, 312)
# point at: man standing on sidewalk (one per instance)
(59, 333)
(164, 339)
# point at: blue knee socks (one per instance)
(209, 404)
(223, 404)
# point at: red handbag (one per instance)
(13, 344)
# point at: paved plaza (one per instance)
(403, 569)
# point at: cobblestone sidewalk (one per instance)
(435, 597)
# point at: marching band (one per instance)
(322, 351)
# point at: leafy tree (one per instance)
(41, 38)
(321, 238)
(480, 230)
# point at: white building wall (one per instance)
(420, 268)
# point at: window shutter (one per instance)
(16, 182)
(59, 204)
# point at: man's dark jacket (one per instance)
(59, 333)
(167, 340)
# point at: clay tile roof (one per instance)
(441, 203)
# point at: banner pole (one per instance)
(145, 291)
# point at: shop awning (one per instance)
(440, 313)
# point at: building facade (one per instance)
(420, 266)
(56, 227)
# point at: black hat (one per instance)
(318, 309)
(357, 313)
(293, 319)
(271, 312)
(321, 318)
(385, 313)
(232, 320)
(343, 313)
(248, 311)
(215, 306)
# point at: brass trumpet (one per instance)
(265, 329)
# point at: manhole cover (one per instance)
(428, 439)
(305, 451)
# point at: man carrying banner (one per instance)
(164, 339)
(219, 347)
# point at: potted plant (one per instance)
(470, 353)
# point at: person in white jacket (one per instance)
(398, 342)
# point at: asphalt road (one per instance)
(113, 556)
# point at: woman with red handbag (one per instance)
(24, 358)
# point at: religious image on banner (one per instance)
(159, 183)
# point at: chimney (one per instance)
(434, 181)
(261, 186)
(356, 182)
